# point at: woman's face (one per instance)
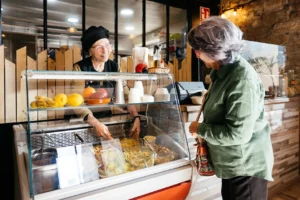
(209, 63)
(101, 50)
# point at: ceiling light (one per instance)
(129, 28)
(126, 12)
(3, 35)
(72, 29)
(72, 19)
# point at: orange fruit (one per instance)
(61, 99)
(88, 91)
(75, 99)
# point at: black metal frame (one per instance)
(83, 23)
(116, 31)
(144, 24)
(168, 33)
(45, 23)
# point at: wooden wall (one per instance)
(283, 116)
(13, 101)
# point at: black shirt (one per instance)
(87, 66)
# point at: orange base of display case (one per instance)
(178, 192)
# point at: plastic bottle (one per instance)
(282, 85)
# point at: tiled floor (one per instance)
(292, 193)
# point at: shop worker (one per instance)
(234, 126)
(95, 42)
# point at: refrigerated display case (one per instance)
(60, 157)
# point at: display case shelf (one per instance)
(98, 105)
(79, 75)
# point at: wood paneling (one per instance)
(284, 120)
(60, 84)
(68, 67)
(51, 87)
(291, 193)
(21, 85)
(42, 84)
(76, 54)
(32, 86)
(10, 90)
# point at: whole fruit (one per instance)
(75, 99)
(61, 99)
(88, 91)
(99, 94)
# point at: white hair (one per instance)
(218, 38)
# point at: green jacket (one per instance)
(237, 134)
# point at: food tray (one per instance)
(97, 101)
(159, 70)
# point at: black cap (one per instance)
(92, 35)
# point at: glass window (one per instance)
(101, 13)
(20, 21)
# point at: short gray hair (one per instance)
(218, 38)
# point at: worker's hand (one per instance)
(100, 129)
(193, 128)
(136, 129)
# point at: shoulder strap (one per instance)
(203, 102)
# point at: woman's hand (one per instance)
(100, 129)
(193, 128)
(136, 129)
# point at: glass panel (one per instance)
(178, 31)
(130, 25)
(64, 25)
(156, 30)
(101, 13)
(20, 25)
(61, 138)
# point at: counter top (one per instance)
(192, 107)
(281, 100)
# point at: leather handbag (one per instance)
(202, 161)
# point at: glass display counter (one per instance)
(64, 157)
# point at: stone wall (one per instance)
(270, 21)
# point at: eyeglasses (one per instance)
(100, 47)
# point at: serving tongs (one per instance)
(77, 137)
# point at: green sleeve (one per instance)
(241, 104)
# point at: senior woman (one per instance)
(95, 41)
(234, 127)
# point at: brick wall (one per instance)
(270, 21)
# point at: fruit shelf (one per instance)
(99, 105)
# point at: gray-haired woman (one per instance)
(234, 127)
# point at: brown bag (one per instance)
(202, 160)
